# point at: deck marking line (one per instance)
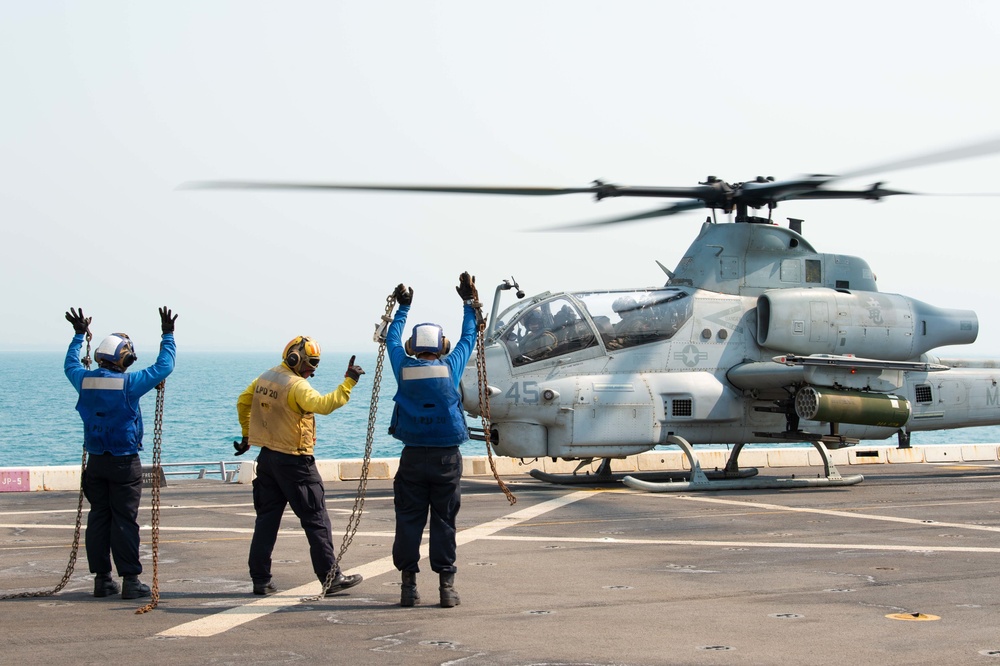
(829, 512)
(143, 528)
(756, 544)
(230, 618)
(177, 507)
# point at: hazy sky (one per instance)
(109, 106)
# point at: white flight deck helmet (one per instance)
(427, 338)
(116, 352)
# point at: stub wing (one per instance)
(856, 373)
(853, 362)
(829, 370)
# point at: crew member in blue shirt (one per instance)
(112, 435)
(429, 420)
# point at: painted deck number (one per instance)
(14, 481)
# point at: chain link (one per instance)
(359, 501)
(157, 442)
(79, 520)
(484, 393)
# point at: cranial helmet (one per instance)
(533, 318)
(300, 353)
(427, 338)
(624, 304)
(115, 352)
(565, 316)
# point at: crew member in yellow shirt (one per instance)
(276, 413)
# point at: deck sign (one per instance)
(14, 481)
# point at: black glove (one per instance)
(467, 287)
(166, 321)
(354, 371)
(80, 323)
(241, 447)
(403, 295)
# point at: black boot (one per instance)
(449, 597)
(133, 588)
(408, 595)
(341, 582)
(104, 585)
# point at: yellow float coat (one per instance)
(277, 410)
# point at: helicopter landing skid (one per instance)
(604, 475)
(701, 481)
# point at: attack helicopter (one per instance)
(756, 337)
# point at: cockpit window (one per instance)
(629, 318)
(535, 331)
(547, 330)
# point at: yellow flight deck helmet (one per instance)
(300, 352)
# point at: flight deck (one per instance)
(902, 568)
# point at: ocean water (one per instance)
(39, 424)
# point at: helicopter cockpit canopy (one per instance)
(564, 323)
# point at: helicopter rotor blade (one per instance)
(599, 188)
(673, 209)
(968, 151)
(958, 194)
(712, 193)
(457, 189)
(874, 193)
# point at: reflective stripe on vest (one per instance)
(104, 383)
(110, 423)
(428, 407)
(425, 372)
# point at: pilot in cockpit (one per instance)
(538, 341)
(633, 320)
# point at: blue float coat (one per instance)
(109, 400)
(444, 424)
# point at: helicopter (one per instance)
(756, 337)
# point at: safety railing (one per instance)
(226, 470)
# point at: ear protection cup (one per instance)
(116, 350)
(128, 355)
(291, 355)
(299, 350)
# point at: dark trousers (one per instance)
(113, 486)
(428, 478)
(286, 480)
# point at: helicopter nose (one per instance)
(468, 389)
